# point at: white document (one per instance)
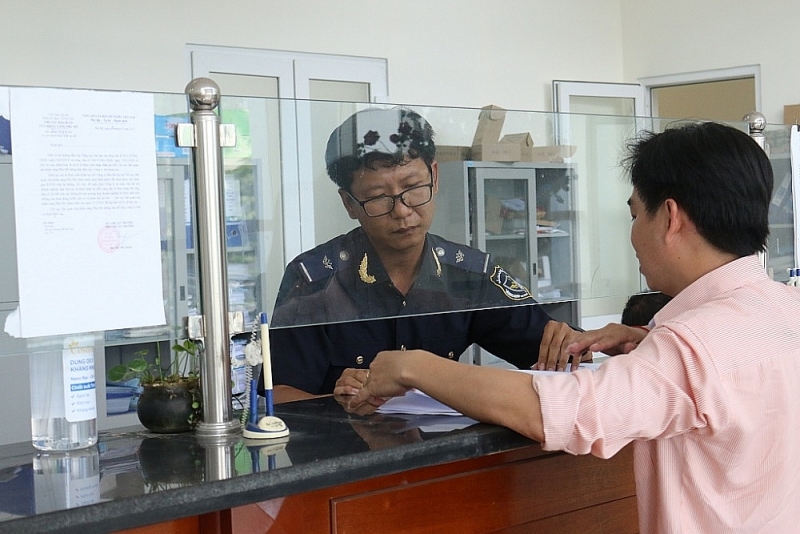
(417, 402)
(86, 204)
(435, 423)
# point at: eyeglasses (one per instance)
(413, 197)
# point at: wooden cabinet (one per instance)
(518, 491)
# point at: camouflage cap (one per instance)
(397, 132)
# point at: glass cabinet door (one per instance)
(503, 225)
(556, 239)
(523, 215)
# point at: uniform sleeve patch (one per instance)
(509, 285)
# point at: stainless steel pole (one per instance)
(215, 361)
(756, 122)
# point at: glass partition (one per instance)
(543, 194)
(781, 251)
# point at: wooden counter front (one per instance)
(518, 491)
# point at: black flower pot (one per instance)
(167, 408)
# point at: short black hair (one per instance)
(641, 308)
(375, 138)
(717, 173)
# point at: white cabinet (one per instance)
(523, 215)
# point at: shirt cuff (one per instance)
(558, 398)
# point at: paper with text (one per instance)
(86, 208)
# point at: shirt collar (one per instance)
(721, 280)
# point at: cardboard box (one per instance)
(496, 152)
(552, 154)
(791, 114)
(446, 153)
(522, 140)
(490, 124)
(488, 146)
(493, 215)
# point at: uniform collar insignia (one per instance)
(326, 262)
(438, 265)
(362, 271)
(459, 256)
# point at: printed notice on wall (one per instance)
(86, 207)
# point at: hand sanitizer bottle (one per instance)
(63, 396)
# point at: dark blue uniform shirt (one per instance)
(350, 310)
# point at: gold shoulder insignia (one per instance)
(508, 285)
(438, 265)
(362, 272)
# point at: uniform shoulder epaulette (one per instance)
(322, 261)
(461, 256)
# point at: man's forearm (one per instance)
(489, 395)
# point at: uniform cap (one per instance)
(392, 131)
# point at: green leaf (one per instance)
(117, 373)
(138, 365)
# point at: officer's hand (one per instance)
(553, 355)
(351, 381)
(612, 339)
(362, 409)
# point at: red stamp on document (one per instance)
(108, 239)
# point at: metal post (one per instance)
(220, 456)
(756, 122)
(209, 191)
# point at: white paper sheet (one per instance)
(86, 204)
(417, 402)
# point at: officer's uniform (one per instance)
(344, 280)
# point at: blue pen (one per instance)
(267, 362)
(269, 426)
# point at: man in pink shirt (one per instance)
(710, 397)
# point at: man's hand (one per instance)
(383, 380)
(553, 355)
(350, 382)
(612, 339)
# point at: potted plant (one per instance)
(170, 397)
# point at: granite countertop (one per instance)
(134, 477)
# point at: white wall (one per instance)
(691, 35)
(441, 52)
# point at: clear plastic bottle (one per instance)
(63, 396)
(66, 479)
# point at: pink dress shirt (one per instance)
(711, 400)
